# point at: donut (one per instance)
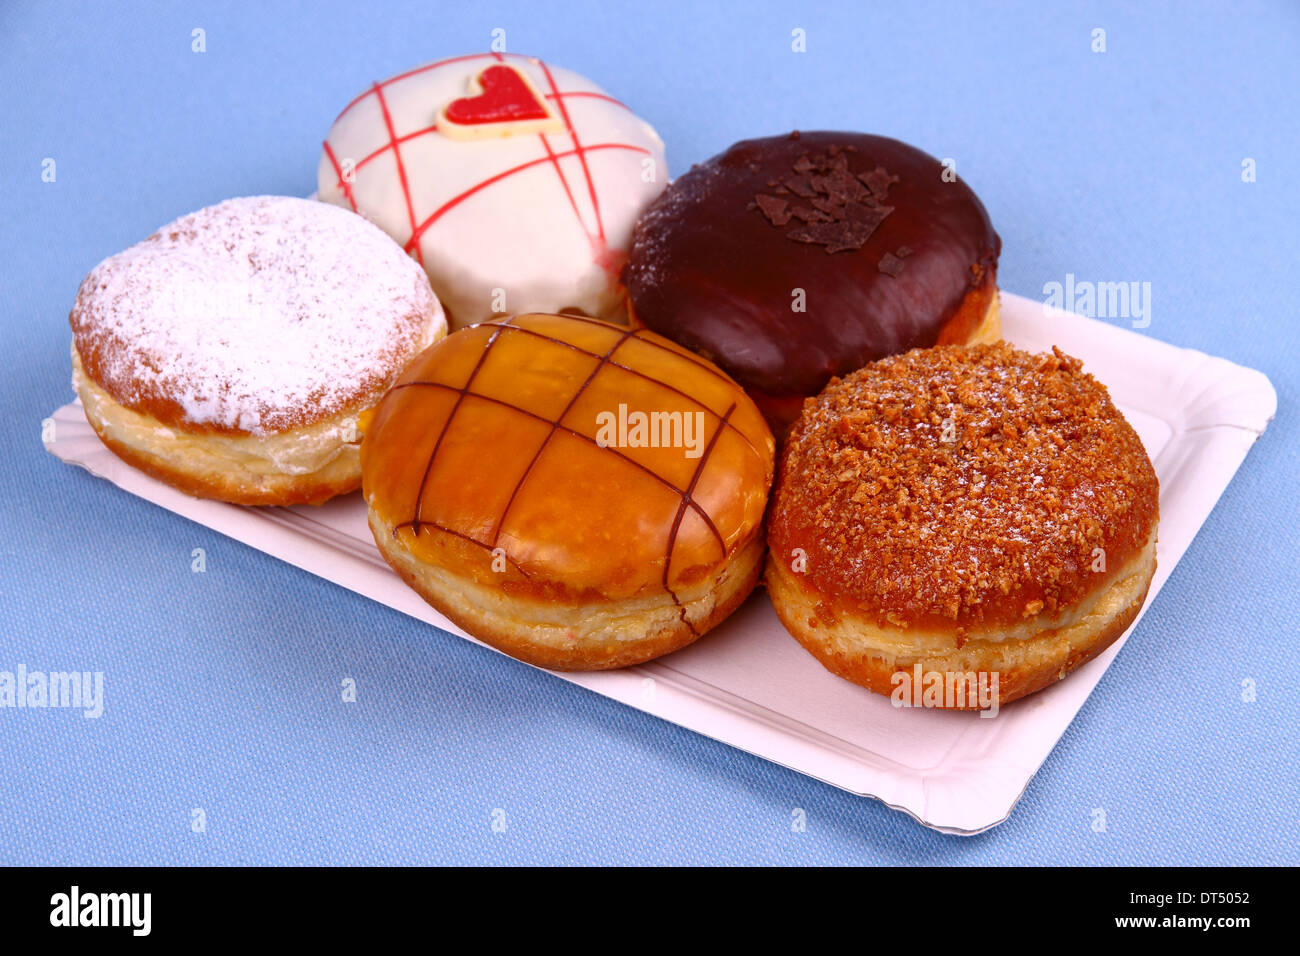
(514, 183)
(792, 259)
(229, 353)
(962, 511)
(579, 495)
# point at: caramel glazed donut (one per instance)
(579, 495)
(968, 509)
(230, 353)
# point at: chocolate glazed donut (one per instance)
(792, 259)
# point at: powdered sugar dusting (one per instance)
(254, 315)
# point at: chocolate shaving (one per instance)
(827, 206)
(890, 265)
(800, 186)
(878, 181)
(844, 208)
(807, 214)
(776, 210)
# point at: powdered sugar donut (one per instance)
(230, 353)
(513, 182)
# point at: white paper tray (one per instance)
(748, 683)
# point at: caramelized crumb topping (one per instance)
(967, 484)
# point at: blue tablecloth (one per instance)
(222, 689)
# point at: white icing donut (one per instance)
(518, 205)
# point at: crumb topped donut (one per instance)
(791, 259)
(514, 182)
(230, 353)
(579, 495)
(967, 509)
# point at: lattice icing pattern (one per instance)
(507, 223)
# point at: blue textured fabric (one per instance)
(222, 689)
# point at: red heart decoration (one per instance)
(506, 98)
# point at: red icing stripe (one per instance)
(505, 174)
(555, 163)
(370, 157)
(582, 158)
(338, 171)
(401, 139)
(585, 94)
(401, 167)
